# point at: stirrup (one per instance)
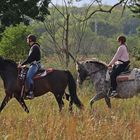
(30, 95)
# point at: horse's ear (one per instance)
(78, 63)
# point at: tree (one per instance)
(13, 12)
(135, 7)
(58, 28)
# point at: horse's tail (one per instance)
(72, 90)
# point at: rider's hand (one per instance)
(109, 67)
(19, 65)
(23, 66)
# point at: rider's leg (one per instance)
(113, 76)
(118, 69)
(30, 74)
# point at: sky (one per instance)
(82, 2)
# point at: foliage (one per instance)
(13, 43)
(13, 12)
(86, 38)
(135, 7)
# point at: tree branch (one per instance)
(103, 10)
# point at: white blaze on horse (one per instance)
(128, 84)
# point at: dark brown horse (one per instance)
(55, 82)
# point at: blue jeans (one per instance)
(30, 74)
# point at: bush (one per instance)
(13, 43)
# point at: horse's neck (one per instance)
(99, 82)
(99, 77)
(9, 77)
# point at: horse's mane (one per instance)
(94, 60)
(9, 61)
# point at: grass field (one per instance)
(44, 122)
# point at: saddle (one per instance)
(22, 77)
(41, 73)
(124, 76)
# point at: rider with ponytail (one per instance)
(119, 62)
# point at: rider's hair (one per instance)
(122, 39)
(31, 37)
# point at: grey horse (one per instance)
(97, 70)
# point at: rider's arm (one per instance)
(116, 56)
(32, 55)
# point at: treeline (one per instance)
(93, 37)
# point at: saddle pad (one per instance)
(127, 76)
(124, 76)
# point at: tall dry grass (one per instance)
(44, 122)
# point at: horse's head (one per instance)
(89, 68)
(82, 72)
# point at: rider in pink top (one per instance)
(119, 62)
(121, 54)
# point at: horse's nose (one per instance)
(79, 82)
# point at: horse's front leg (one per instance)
(97, 97)
(22, 103)
(101, 96)
(5, 101)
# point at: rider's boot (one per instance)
(30, 94)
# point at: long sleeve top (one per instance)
(34, 54)
(121, 55)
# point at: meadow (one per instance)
(45, 122)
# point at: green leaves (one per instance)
(13, 44)
(135, 7)
(13, 12)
